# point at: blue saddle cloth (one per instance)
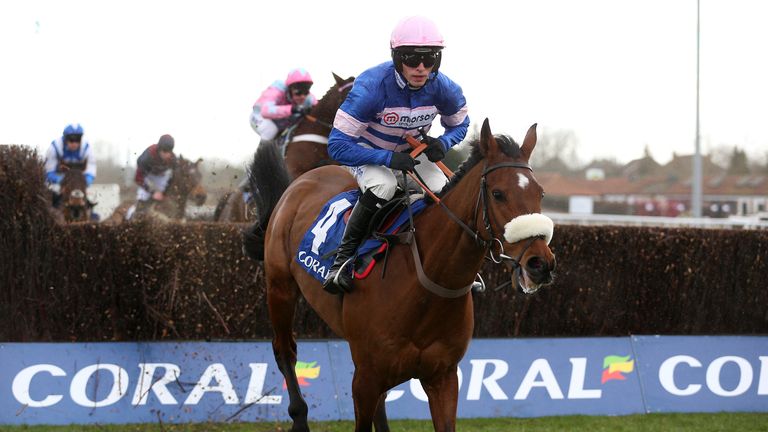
(317, 249)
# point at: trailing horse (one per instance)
(306, 148)
(417, 321)
(308, 144)
(186, 184)
(75, 206)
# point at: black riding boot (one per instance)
(339, 279)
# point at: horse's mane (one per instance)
(180, 174)
(332, 95)
(74, 177)
(335, 88)
(507, 145)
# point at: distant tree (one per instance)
(759, 165)
(557, 150)
(721, 155)
(738, 164)
(647, 152)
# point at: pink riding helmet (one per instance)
(416, 31)
(298, 75)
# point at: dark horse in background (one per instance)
(186, 184)
(397, 327)
(306, 149)
(73, 205)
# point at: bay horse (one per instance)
(308, 145)
(418, 320)
(186, 184)
(74, 203)
(307, 148)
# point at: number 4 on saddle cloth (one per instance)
(318, 247)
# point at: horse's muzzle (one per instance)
(540, 270)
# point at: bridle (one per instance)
(486, 244)
(77, 212)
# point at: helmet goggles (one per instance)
(414, 56)
(300, 88)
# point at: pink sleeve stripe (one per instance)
(383, 144)
(348, 124)
(456, 119)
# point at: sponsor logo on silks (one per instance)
(390, 118)
(305, 371)
(614, 366)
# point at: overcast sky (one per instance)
(619, 74)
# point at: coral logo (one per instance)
(305, 371)
(614, 366)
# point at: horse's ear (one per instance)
(198, 161)
(529, 142)
(487, 141)
(339, 80)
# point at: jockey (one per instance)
(70, 150)
(282, 104)
(153, 171)
(387, 102)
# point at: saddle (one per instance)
(384, 229)
(318, 247)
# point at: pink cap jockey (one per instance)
(276, 101)
(416, 31)
(416, 37)
(297, 76)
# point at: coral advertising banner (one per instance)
(79, 383)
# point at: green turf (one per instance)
(741, 422)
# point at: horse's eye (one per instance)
(498, 195)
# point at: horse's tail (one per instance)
(268, 179)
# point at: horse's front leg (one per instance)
(443, 393)
(380, 416)
(282, 304)
(367, 394)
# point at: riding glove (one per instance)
(402, 162)
(434, 151)
(300, 109)
(54, 177)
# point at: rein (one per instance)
(314, 119)
(475, 234)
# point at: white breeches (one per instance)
(383, 181)
(153, 183)
(266, 128)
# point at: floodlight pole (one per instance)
(696, 195)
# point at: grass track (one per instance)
(741, 422)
